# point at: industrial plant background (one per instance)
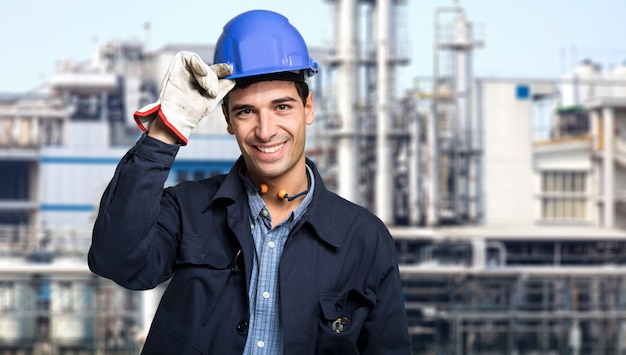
(505, 196)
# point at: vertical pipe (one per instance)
(34, 139)
(433, 128)
(16, 130)
(432, 208)
(480, 201)
(458, 145)
(463, 94)
(346, 49)
(609, 168)
(479, 254)
(593, 186)
(415, 181)
(384, 169)
(619, 310)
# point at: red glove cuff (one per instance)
(148, 116)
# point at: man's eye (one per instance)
(244, 112)
(282, 107)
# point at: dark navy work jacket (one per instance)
(338, 277)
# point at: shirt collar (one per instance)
(321, 204)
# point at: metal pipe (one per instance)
(347, 87)
(609, 167)
(415, 179)
(384, 169)
(463, 77)
(526, 271)
(480, 171)
(45, 269)
(433, 127)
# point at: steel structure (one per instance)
(532, 264)
(454, 149)
(366, 132)
(516, 292)
(50, 303)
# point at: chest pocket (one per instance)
(197, 250)
(206, 295)
(341, 319)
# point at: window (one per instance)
(563, 195)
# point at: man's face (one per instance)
(269, 122)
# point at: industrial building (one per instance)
(506, 196)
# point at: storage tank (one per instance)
(71, 311)
(18, 304)
(580, 85)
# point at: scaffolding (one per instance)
(454, 144)
(50, 303)
(516, 294)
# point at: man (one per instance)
(264, 259)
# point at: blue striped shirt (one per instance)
(265, 334)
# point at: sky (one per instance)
(531, 38)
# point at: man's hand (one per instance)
(190, 90)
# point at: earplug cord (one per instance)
(282, 193)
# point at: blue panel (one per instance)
(522, 92)
(196, 170)
(207, 165)
(79, 160)
(67, 207)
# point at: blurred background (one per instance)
(486, 135)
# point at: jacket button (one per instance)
(242, 326)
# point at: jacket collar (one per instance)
(318, 214)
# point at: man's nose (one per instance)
(266, 127)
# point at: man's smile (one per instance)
(271, 149)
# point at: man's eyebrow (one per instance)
(241, 107)
(277, 101)
(283, 99)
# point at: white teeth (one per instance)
(270, 149)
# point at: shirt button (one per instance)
(252, 226)
(260, 344)
(271, 244)
(264, 213)
(266, 295)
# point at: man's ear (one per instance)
(308, 109)
(229, 128)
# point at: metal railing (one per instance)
(24, 240)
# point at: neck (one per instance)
(294, 181)
(281, 190)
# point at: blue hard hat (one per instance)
(261, 42)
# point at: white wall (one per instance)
(507, 147)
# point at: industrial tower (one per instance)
(368, 49)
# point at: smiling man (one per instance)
(264, 259)
(269, 119)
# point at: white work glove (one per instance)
(190, 90)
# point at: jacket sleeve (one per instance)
(134, 238)
(386, 329)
